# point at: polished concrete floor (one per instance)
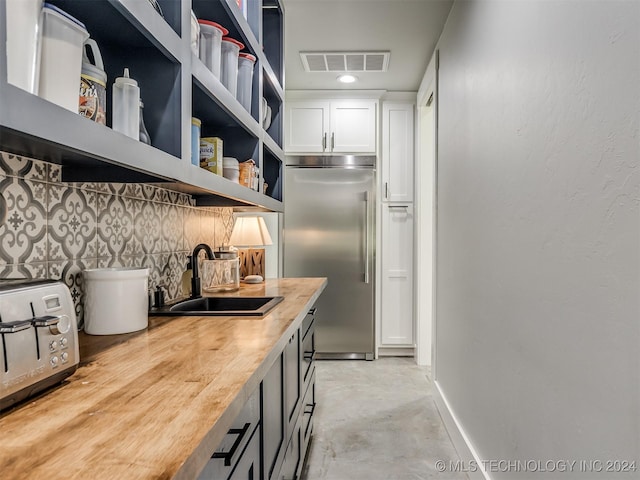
(377, 421)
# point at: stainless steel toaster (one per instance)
(38, 338)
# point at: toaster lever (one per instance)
(46, 321)
(13, 327)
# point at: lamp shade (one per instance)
(250, 232)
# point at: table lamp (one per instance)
(250, 232)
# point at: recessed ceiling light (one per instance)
(347, 78)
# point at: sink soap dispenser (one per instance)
(126, 106)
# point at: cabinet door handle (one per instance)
(333, 140)
(311, 356)
(324, 141)
(313, 311)
(386, 190)
(309, 411)
(403, 207)
(227, 456)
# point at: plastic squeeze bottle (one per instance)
(126, 106)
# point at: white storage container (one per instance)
(229, 68)
(211, 34)
(61, 57)
(116, 300)
(23, 51)
(231, 169)
(246, 62)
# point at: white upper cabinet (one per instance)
(397, 152)
(332, 126)
(306, 126)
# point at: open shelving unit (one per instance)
(174, 86)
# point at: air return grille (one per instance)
(345, 61)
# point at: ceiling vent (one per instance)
(345, 61)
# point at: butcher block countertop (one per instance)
(156, 403)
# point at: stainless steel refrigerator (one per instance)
(329, 231)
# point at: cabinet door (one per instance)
(397, 275)
(353, 126)
(273, 419)
(248, 467)
(397, 152)
(306, 126)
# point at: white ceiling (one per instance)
(409, 29)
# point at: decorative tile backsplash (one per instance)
(56, 230)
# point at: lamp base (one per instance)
(251, 261)
(253, 279)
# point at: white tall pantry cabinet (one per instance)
(396, 317)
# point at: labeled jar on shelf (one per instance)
(211, 154)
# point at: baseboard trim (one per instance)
(460, 440)
(396, 352)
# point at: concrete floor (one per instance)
(377, 421)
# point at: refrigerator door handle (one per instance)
(366, 237)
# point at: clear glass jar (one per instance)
(221, 274)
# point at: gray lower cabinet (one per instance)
(240, 449)
(273, 425)
(270, 438)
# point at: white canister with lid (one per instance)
(231, 169)
(63, 37)
(229, 68)
(23, 52)
(211, 34)
(125, 108)
(116, 300)
(246, 62)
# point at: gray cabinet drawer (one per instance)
(308, 410)
(230, 451)
(308, 355)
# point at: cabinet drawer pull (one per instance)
(324, 141)
(227, 456)
(313, 311)
(311, 356)
(309, 411)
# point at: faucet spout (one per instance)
(195, 279)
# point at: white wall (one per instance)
(538, 264)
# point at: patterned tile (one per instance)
(127, 261)
(24, 270)
(191, 230)
(223, 218)
(172, 197)
(70, 272)
(183, 200)
(172, 229)
(54, 173)
(116, 216)
(151, 193)
(176, 267)
(116, 188)
(71, 225)
(23, 235)
(133, 190)
(23, 167)
(148, 225)
(208, 228)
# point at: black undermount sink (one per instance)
(222, 306)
